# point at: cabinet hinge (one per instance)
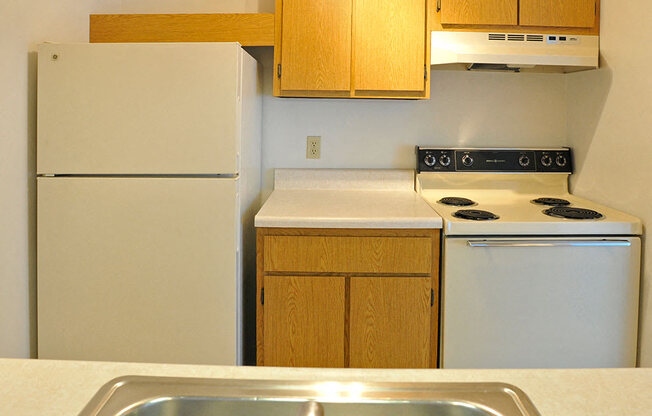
(278, 71)
(262, 296)
(425, 72)
(438, 5)
(432, 297)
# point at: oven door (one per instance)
(540, 302)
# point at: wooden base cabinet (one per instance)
(347, 298)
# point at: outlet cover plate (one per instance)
(313, 147)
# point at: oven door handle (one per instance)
(549, 243)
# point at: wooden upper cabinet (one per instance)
(304, 321)
(352, 48)
(316, 44)
(558, 13)
(390, 45)
(391, 322)
(479, 12)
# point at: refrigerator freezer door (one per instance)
(138, 269)
(138, 108)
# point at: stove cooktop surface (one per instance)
(517, 215)
(523, 192)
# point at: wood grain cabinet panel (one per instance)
(316, 45)
(479, 12)
(390, 322)
(559, 13)
(390, 45)
(332, 254)
(352, 48)
(304, 321)
(347, 297)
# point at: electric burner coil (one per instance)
(475, 215)
(456, 201)
(572, 213)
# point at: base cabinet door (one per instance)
(304, 321)
(390, 322)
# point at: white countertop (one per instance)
(327, 198)
(61, 388)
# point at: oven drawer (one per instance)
(540, 302)
(344, 254)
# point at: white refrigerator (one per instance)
(148, 173)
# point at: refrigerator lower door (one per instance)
(138, 269)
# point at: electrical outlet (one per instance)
(313, 147)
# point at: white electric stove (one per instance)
(532, 276)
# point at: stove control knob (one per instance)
(467, 160)
(524, 161)
(429, 160)
(561, 161)
(445, 160)
(546, 160)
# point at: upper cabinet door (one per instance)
(479, 12)
(390, 45)
(315, 45)
(559, 13)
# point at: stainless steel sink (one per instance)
(162, 396)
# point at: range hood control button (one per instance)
(524, 161)
(467, 160)
(561, 161)
(429, 160)
(445, 160)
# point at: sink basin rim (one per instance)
(126, 392)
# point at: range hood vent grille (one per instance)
(515, 37)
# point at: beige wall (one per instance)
(24, 24)
(609, 125)
(466, 109)
(469, 109)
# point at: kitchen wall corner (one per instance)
(609, 129)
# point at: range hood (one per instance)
(514, 51)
